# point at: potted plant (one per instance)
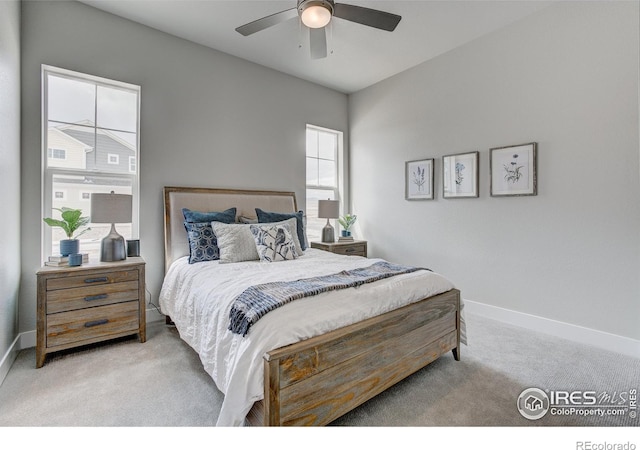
(72, 219)
(347, 222)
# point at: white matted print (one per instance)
(513, 170)
(460, 175)
(419, 180)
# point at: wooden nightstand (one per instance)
(90, 303)
(353, 248)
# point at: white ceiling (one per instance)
(359, 56)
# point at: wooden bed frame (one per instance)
(315, 381)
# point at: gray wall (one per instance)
(9, 172)
(208, 119)
(567, 78)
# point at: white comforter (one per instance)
(198, 298)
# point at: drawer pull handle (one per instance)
(90, 298)
(351, 250)
(95, 323)
(96, 280)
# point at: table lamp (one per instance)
(111, 208)
(328, 209)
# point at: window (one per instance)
(57, 153)
(88, 123)
(324, 180)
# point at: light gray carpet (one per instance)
(162, 383)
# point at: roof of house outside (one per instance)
(102, 144)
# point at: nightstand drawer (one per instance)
(353, 249)
(93, 279)
(349, 248)
(86, 297)
(91, 323)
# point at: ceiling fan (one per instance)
(316, 15)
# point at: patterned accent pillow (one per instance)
(291, 227)
(203, 245)
(273, 242)
(266, 217)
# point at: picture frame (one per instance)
(460, 175)
(513, 170)
(419, 179)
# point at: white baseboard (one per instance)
(9, 358)
(154, 315)
(27, 339)
(576, 333)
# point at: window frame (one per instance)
(48, 173)
(341, 174)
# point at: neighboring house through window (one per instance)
(324, 179)
(90, 124)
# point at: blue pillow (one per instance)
(203, 244)
(228, 216)
(265, 217)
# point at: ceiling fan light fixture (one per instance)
(315, 14)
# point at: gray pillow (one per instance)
(235, 242)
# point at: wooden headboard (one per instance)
(176, 244)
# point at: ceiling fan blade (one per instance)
(318, 43)
(266, 22)
(367, 16)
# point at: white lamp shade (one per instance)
(328, 209)
(316, 16)
(111, 208)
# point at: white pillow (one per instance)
(236, 242)
(273, 242)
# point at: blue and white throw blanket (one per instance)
(258, 300)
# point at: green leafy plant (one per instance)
(347, 221)
(72, 219)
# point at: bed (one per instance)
(314, 359)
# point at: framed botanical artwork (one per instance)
(513, 170)
(419, 180)
(460, 175)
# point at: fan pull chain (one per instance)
(299, 33)
(330, 38)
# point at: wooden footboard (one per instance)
(315, 381)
